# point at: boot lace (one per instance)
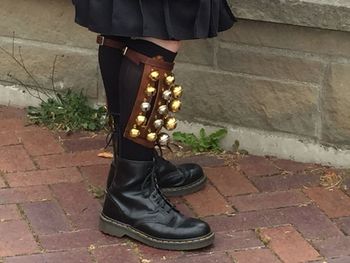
(159, 157)
(150, 183)
(111, 131)
(109, 139)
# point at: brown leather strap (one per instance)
(103, 41)
(134, 56)
(138, 58)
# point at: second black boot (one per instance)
(136, 208)
(178, 180)
(173, 180)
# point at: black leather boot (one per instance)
(135, 207)
(173, 180)
(179, 180)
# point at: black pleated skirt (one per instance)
(164, 19)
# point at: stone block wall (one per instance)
(43, 30)
(275, 77)
(283, 69)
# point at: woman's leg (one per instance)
(134, 205)
(110, 60)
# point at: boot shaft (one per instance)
(130, 175)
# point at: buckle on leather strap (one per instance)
(100, 40)
(108, 42)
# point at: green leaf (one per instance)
(202, 143)
(202, 133)
(218, 135)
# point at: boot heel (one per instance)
(108, 227)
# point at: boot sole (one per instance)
(115, 228)
(185, 190)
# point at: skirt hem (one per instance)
(163, 37)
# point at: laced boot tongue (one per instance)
(165, 201)
(164, 165)
(150, 186)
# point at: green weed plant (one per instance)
(68, 111)
(203, 142)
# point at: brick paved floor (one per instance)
(263, 210)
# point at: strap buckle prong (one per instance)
(125, 49)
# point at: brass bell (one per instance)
(177, 91)
(152, 137)
(141, 120)
(158, 123)
(163, 139)
(145, 106)
(134, 133)
(150, 90)
(167, 95)
(169, 80)
(170, 123)
(175, 105)
(154, 75)
(163, 110)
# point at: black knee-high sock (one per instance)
(109, 61)
(129, 81)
